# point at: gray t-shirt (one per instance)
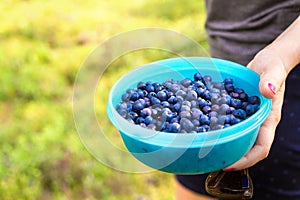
(238, 33)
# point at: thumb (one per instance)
(272, 75)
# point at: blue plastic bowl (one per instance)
(190, 153)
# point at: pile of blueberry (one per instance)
(187, 106)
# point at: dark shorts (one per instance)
(277, 176)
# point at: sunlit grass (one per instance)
(43, 45)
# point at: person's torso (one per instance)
(238, 29)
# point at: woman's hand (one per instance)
(273, 64)
(272, 73)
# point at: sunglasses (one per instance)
(230, 185)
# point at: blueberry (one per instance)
(200, 129)
(244, 105)
(133, 115)
(228, 81)
(191, 95)
(185, 114)
(149, 82)
(214, 98)
(122, 112)
(165, 104)
(176, 107)
(216, 127)
(202, 102)
(186, 103)
(254, 100)
(165, 126)
(142, 93)
(239, 90)
(175, 119)
(148, 120)
(213, 121)
(186, 82)
(234, 120)
(180, 93)
(151, 94)
(159, 125)
(226, 125)
(121, 106)
(225, 99)
(204, 120)
(224, 119)
(141, 85)
(224, 109)
(196, 122)
(149, 88)
(167, 84)
(172, 100)
(174, 128)
(243, 96)
(186, 125)
(251, 109)
(129, 91)
(139, 120)
(218, 85)
(138, 105)
(196, 113)
(148, 102)
(229, 88)
(134, 96)
(157, 87)
(194, 104)
(154, 101)
(234, 95)
(239, 113)
(185, 108)
(167, 115)
(129, 106)
(200, 91)
(206, 95)
(146, 112)
(207, 127)
(125, 97)
(180, 99)
(206, 79)
(174, 88)
(197, 76)
(215, 107)
(236, 103)
(199, 84)
(213, 114)
(206, 109)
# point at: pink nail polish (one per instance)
(272, 88)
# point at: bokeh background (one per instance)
(42, 46)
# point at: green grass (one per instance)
(43, 44)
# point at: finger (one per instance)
(259, 152)
(272, 73)
(271, 82)
(265, 137)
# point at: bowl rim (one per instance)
(196, 139)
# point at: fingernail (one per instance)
(228, 170)
(272, 88)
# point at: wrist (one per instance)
(280, 57)
(287, 46)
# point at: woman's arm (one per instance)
(273, 63)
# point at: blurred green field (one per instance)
(42, 46)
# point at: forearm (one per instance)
(287, 45)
